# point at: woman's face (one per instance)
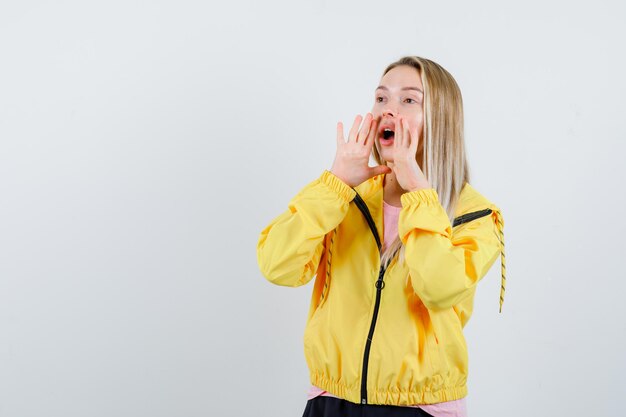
(400, 93)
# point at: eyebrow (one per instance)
(382, 87)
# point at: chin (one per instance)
(385, 157)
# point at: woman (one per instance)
(397, 251)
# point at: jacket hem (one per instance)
(336, 388)
(397, 397)
(387, 397)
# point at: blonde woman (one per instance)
(397, 251)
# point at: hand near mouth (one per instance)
(407, 172)
(351, 162)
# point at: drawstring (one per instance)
(329, 242)
(500, 226)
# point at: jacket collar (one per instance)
(469, 200)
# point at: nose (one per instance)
(389, 111)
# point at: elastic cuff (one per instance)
(337, 185)
(425, 195)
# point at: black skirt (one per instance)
(324, 406)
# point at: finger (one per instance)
(371, 137)
(407, 134)
(355, 128)
(397, 137)
(415, 137)
(340, 139)
(365, 128)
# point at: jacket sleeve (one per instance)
(289, 249)
(445, 266)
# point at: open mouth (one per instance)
(386, 136)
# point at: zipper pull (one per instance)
(380, 284)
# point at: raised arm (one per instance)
(445, 264)
(291, 246)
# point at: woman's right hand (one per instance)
(351, 163)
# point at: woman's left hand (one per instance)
(405, 167)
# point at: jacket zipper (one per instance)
(467, 217)
(380, 284)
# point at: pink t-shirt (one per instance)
(455, 408)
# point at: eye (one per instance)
(412, 100)
(379, 99)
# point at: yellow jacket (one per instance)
(376, 336)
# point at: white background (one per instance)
(144, 146)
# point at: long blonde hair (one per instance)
(441, 152)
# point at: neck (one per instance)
(392, 190)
